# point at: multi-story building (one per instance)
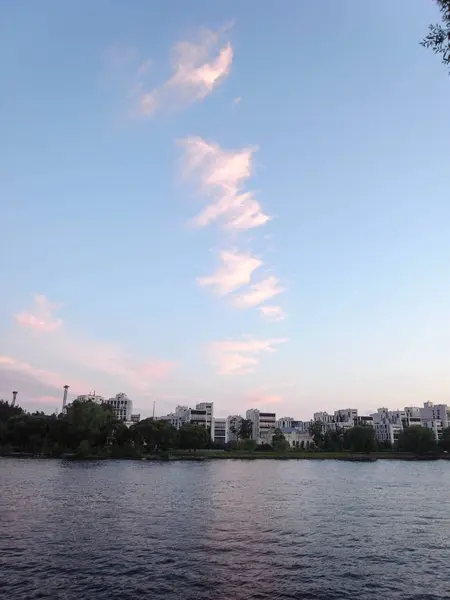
(121, 405)
(232, 427)
(202, 415)
(220, 430)
(205, 412)
(263, 425)
(387, 432)
(434, 412)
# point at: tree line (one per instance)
(90, 429)
(361, 438)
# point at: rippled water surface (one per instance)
(224, 530)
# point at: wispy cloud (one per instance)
(58, 344)
(236, 270)
(259, 293)
(272, 313)
(236, 101)
(198, 67)
(221, 175)
(45, 377)
(238, 357)
(41, 317)
(264, 396)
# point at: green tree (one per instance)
(417, 439)
(316, 432)
(7, 411)
(89, 421)
(279, 442)
(444, 442)
(245, 430)
(438, 38)
(193, 437)
(360, 439)
(333, 440)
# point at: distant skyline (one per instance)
(229, 202)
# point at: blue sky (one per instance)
(230, 201)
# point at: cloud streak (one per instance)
(198, 68)
(259, 293)
(42, 317)
(236, 271)
(239, 357)
(220, 175)
(272, 313)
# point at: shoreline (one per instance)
(200, 456)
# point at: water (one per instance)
(268, 529)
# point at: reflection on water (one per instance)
(224, 529)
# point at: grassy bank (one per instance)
(200, 455)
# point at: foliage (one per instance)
(264, 448)
(333, 440)
(360, 438)
(244, 430)
(279, 442)
(438, 38)
(247, 445)
(444, 442)
(417, 439)
(193, 437)
(7, 411)
(317, 434)
(151, 436)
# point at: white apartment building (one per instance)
(202, 414)
(264, 424)
(121, 405)
(387, 432)
(345, 415)
(286, 422)
(233, 424)
(220, 430)
(92, 397)
(434, 412)
(343, 418)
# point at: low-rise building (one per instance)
(296, 438)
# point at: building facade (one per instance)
(263, 425)
(220, 431)
(121, 405)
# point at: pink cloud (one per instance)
(236, 271)
(259, 293)
(49, 378)
(197, 70)
(238, 357)
(40, 317)
(79, 353)
(272, 313)
(220, 175)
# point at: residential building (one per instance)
(386, 432)
(264, 424)
(220, 430)
(232, 427)
(434, 412)
(202, 415)
(345, 415)
(121, 405)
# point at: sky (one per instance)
(238, 202)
